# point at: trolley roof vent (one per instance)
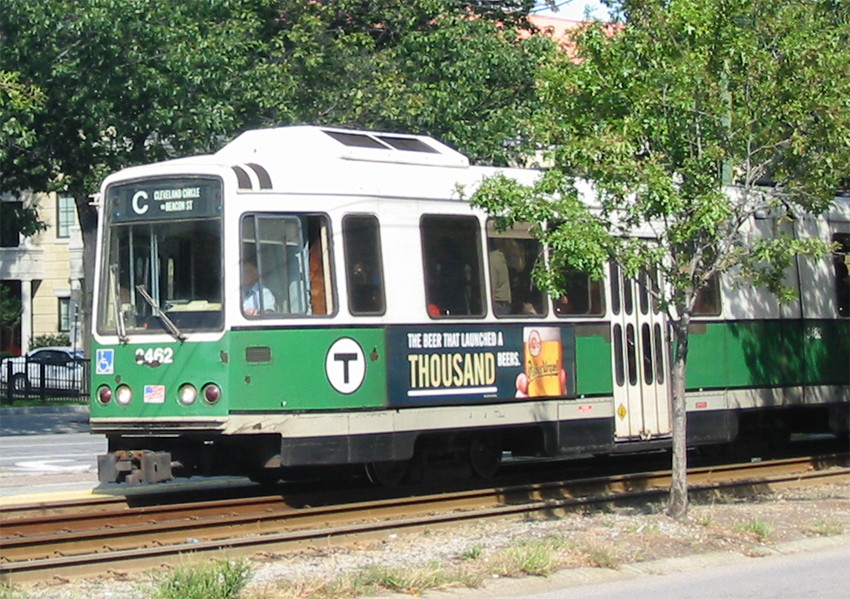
(395, 147)
(382, 142)
(309, 144)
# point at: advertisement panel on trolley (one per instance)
(480, 363)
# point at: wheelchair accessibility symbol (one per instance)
(105, 361)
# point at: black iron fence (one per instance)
(52, 381)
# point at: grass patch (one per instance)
(759, 528)
(410, 580)
(374, 579)
(706, 520)
(472, 567)
(472, 553)
(602, 557)
(533, 558)
(8, 591)
(826, 529)
(650, 527)
(219, 579)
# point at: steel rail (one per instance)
(137, 546)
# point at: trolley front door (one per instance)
(641, 359)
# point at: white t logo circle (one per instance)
(345, 365)
(137, 207)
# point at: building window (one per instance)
(64, 314)
(9, 226)
(65, 209)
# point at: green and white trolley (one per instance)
(310, 297)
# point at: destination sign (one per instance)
(165, 199)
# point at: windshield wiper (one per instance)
(119, 311)
(172, 328)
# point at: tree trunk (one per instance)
(88, 228)
(677, 505)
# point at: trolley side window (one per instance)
(708, 298)
(512, 255)
(582, 296)
(285, 266)
(454, 285)
(363, 267)
(841, 261)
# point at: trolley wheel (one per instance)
(715, 451)
(387, 474)
(270, 476)
(777, 435)
(485, 455)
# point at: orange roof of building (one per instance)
(560, 30)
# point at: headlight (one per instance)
(104, 394)
(123, 395)
(187, 394)
(212, 393)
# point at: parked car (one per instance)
(47, 369)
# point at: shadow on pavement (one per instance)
(47, 420)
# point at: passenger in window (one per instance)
(256, 297)
(581, 296)
(562, 305)
(707, 302)
(450, 284)
(365, 288)
(500, 282)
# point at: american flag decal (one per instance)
(154, 394)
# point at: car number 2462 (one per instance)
(155, 355)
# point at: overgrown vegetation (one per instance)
(219, 579)
(8, 591)
(529, 558)
(762, 530)
(50, 340)
(827, 528)
(470, 569)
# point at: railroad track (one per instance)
(68, 540)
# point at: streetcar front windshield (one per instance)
(161, 268)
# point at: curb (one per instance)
(121, 490)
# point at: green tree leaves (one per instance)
(691, 118)
(665, 112)
(129, 82)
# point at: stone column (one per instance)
(26, 315)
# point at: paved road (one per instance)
(45, 449)
(44, 420)
(50, 454)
